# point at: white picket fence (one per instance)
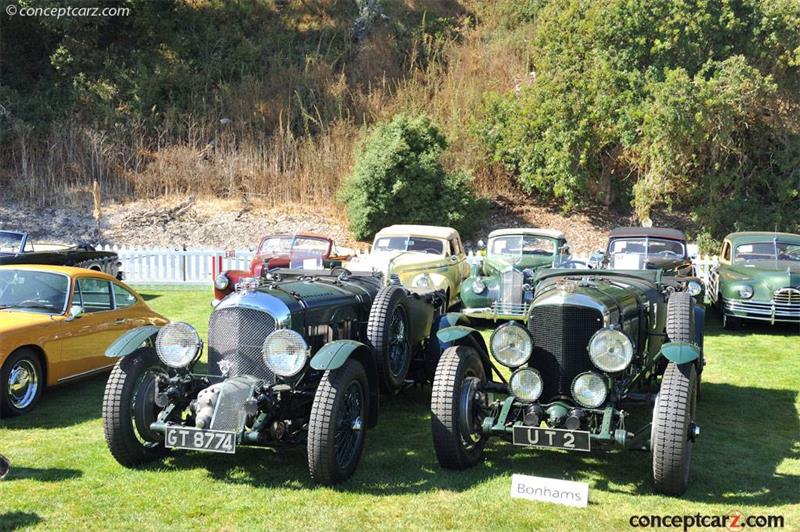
(198, 267)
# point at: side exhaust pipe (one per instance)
(5, 466)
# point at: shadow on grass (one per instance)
(47, 474)
(16, 520)
(747, 433)
(63, 406)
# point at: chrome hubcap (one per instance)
(23, 383)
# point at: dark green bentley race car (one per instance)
(295, 356)
(757, 278)
(501, 287)
(597, 343)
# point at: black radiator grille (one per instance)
(236, 335)
(560, 336)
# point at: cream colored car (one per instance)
(422, 256)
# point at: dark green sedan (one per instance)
(758, 278)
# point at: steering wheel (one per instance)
(668, 252)
(432, 251)
(573, 264)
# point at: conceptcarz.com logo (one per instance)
(735, 520)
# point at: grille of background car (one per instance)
(786, 296)
(236, 335)
(511, 289)
(561, 334)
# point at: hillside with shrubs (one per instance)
(414, 110)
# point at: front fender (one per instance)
(680, 352)
(334, 354)
(463, 335)
(132, 340)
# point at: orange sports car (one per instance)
(55, 325)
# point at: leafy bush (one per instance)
(689, 104)
(398, 178)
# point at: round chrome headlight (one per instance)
(589, 390)
(221, 282)
(746, 291)
(178, 345)
(422, 281)
(478, 286)
(285, 352)
(694, 288)
(610, 350)
(526, 384)
(511, 345)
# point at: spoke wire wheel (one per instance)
(399, 348)
(350, 425)
(337, 424)
(23, 384)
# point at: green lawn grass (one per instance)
(747, 460)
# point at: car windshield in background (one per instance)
(33, 291)
(775, 250)
(517, 245)
(284, 245)
(10, 242)
(630, 253)
(409, 243)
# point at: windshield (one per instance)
(33, 291)
(409, 243)
(517, 245)
(774, 250)
(10, 242)
(632, 253)
(286, 245)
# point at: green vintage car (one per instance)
(501, 287)
(757, 278)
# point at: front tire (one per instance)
(455, 411)
(21, 383)
(337, 426)
(389, 332)
(674, 429)
(730, 323)
(129, 408)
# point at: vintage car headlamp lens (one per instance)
(221, 282)
(422, 281)
(694, 288)
(526, 384)
(746, 291)
(511, 345)
(285, 352)
(178, 345)
(589, 390)
(610, 350)
(478, 286)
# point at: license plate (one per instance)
(214, 441)
(571, 440)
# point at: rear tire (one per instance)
(388, 330)
(337, 426)
(21, 383)
(673, 424)
(455, 414)
(129, 408)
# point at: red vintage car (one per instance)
(281, 251)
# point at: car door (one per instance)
(86, 338)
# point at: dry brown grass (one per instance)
(290, 136)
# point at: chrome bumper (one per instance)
(764, 311)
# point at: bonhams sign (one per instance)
(550, 490)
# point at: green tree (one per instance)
(398, 178)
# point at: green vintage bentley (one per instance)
(757, 278)
(501, 287)
(598, 344)
(294, 357)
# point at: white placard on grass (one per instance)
(552, 490)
